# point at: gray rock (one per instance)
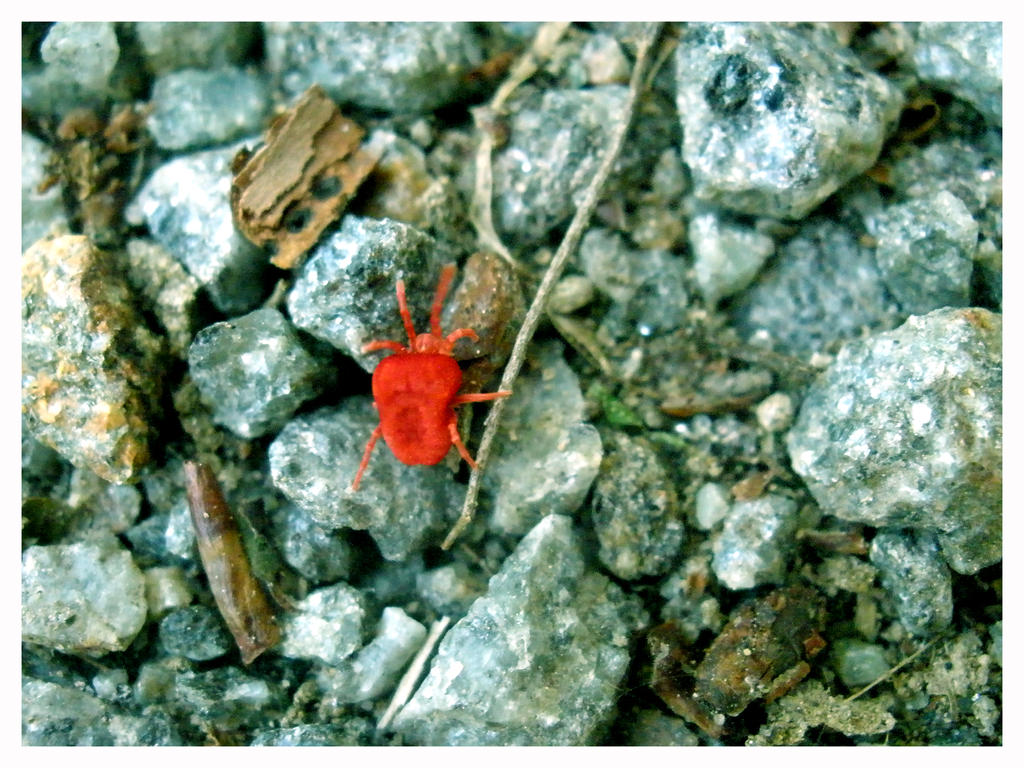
(184, 203)
(545, 456)
(925, 249)
(226, 697)
(858, 663)
(317, 553)
(905, 429)
(59, 716)
(166, 590)
(965, 58)
(912, 572)
(776, 118)
(727, 254)
(395, 66)
(102, 506)
(648, 287)
(41, 212)
(327, 625)
(171, 292)
(712, 504)
(635, 510)
(374, 669)
(84, 598)
(556, 140)
(450, 589)
(353, 732)
(164, 538)
(314, 459)
(197, 633)
(823, 287)
(651, 728)
(756, 542)
(344, 294)
(195, 108)
(91, 370)
(171, 45)
(254, 372)
(537, 660)
(84, 52)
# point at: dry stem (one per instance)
(554, 271)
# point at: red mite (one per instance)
(414, 390)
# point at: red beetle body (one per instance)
(415, 390)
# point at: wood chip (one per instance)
(287, 193)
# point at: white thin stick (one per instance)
(412, 674)
(566, 248)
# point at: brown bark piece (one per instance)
(288, 192)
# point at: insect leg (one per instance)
(479, 397)
(403, 310)
(457, 442)
(462, 333)
(443, 284)
(366, 456)
(392, 345)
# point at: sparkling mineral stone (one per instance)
(166, 590)
(60, 716)
(199, 108)
(176, 45)
(185, 205)
(326, 625)
(904, 429)
(400, 67)
(556, 140)
(105, 505)
(344, 294)
(40, 211)
(859, 663)
(712, 504)
(823, 288)
(652, 728)
(353, 732)
(226, 697)
(87, 597)
(545, 456)
(648, 287)
(169, 290)
(916, 578)
(965, 58)
(82, 51)
(197, 632)
(165, 537)
(91, 371)
(254, 372)
(604, 61)
(375, 668)
(635, 510)
(538, 660)
(314, 459)
(925, 250)
(317, 553)
(776, 118)
(727, 254)
(755, 542)
(450, 589)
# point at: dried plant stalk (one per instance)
(554, 271)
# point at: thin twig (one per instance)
(480, 213)
(554, 271)
(891, 672)
(412, 674)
